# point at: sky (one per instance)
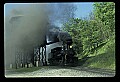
(83, 8)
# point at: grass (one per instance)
(105, 61)
(104, 58)
(26, 69)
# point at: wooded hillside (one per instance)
(95, 35)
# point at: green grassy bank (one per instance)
(104, 57)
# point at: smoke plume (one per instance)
(26, 27)
(24, 30)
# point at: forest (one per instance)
(94, 36)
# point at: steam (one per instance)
(23, 34)
(61, 12)
(26, 27)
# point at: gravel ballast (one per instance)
(62, 72)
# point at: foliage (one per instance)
(105, 12)
(106, 57)
(90, 36)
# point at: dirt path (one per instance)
(63, 72)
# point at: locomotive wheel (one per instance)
(54, 62)
(75, 61)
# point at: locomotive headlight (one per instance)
(70, 46)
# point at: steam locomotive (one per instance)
(64, 54)
(60, 55)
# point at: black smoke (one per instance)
(26, 27)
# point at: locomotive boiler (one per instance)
(57, 50)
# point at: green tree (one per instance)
(90, 33)
(105, 13)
